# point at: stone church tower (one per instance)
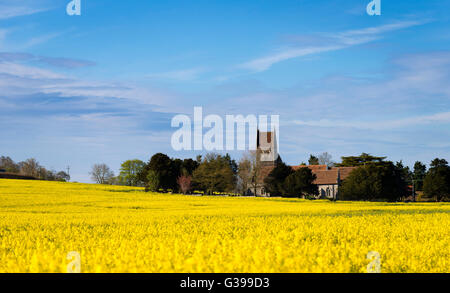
(267, 148)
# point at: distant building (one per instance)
(328, 179)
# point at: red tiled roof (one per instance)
(312, 167)
(324, 175)
(344, 171)
(264, 172)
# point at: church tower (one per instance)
(267, 148)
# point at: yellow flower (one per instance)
(123, 229)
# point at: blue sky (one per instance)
(104, 86)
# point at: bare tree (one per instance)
(30, 167)
(326, 159)
(255, 159)
(101, 174)
(244, 173)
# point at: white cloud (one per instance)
(3, 33)
(335, 42)
(179, 75)
(11, 9)
(379, 125)
(381, 29)
(21, 79)
(11, 12)
(38, 40)
(23, 71)
(262, 64)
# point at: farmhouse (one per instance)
(328, 179)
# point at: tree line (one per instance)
(31, 168)
(374, 178)
(209, 174)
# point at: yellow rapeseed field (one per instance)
(122, 229)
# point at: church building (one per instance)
(328, 179)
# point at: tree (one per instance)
(153, 181)
(7, 164)
(326, 159)
(62, 176)
(30, 167)
(45, 174)
(101, 174)
(166, 170)
(184, 182)
(177, 170)
(214, 175)
(374, 181)
(437, 181)
(274, 182)
(244, 174)
(438, 163)
(362, 160)
(129, 173)
(256, 168)
(189, 166)
(404, 172)
(313, 160)
(420, 170)
(300, 183)
(233, 164)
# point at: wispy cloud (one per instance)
(262, 64)
(179, 75)
(382, 29)
(21, 79)
(11, 9)
(379, 125)
(22, 71)
(68, 63)
(334, 42)
(39, 40)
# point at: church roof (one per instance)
(312, 167)
(324, 175)
(344, 172)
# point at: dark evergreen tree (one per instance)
(437, 181)
(300, 184)
(420, 170)
(382, 181)
(362, 160)
(274, 182)
(313, 160)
